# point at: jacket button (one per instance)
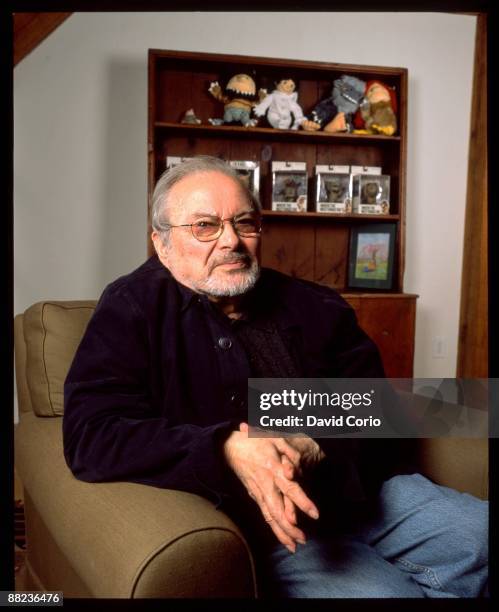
(224, 343)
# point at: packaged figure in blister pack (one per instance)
(289, 186)
(371, 190)
(249, 172)
(333, 190)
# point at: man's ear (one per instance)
(159, 246)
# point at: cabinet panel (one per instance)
(354, 303)
(390, 323)
(289, 248)
(331, 254)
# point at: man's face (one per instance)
(227, 266)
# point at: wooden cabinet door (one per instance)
(390, 323)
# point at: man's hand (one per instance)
(310, 456)
(310, 453)
(269, 481)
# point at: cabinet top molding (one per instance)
(252, 60)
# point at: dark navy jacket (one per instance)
(159, 379)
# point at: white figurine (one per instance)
(281, 106)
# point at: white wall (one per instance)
(80, 112)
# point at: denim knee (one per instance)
(472, 525)
(452, 528)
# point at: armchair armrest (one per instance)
(130, 540)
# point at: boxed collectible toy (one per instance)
(173, 160)
(371, 190)
(249, 171)
(333, 189)
(289, 186)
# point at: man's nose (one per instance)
(229, 237)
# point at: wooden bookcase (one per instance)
(308, 245)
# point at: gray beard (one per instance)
(219, 288)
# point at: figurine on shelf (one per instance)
(376, 114)
(334, 114)
(281, 106)
(190, 117)
(289, 190)
(334, 189)
(371, 190)
(245, 176)
(238, 99)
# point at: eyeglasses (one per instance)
(211, 228)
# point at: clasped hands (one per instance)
(269, 468)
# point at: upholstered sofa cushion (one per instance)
(52, 332)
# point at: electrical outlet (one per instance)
(439, 347)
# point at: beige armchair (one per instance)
(126, 540)
(106, 539)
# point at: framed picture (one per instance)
(372, 249)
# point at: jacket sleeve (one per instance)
(112, 430)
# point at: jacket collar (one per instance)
(270, 298)
(187, 296)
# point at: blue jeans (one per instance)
(425, 541)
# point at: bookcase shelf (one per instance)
(251, 132)
(347, 218)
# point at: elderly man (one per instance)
(157, 395)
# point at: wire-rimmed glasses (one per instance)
(206, 229)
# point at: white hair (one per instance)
(169, 178)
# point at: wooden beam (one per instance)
(472, 358)
(31, 28)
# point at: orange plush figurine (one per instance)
(376, 114)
